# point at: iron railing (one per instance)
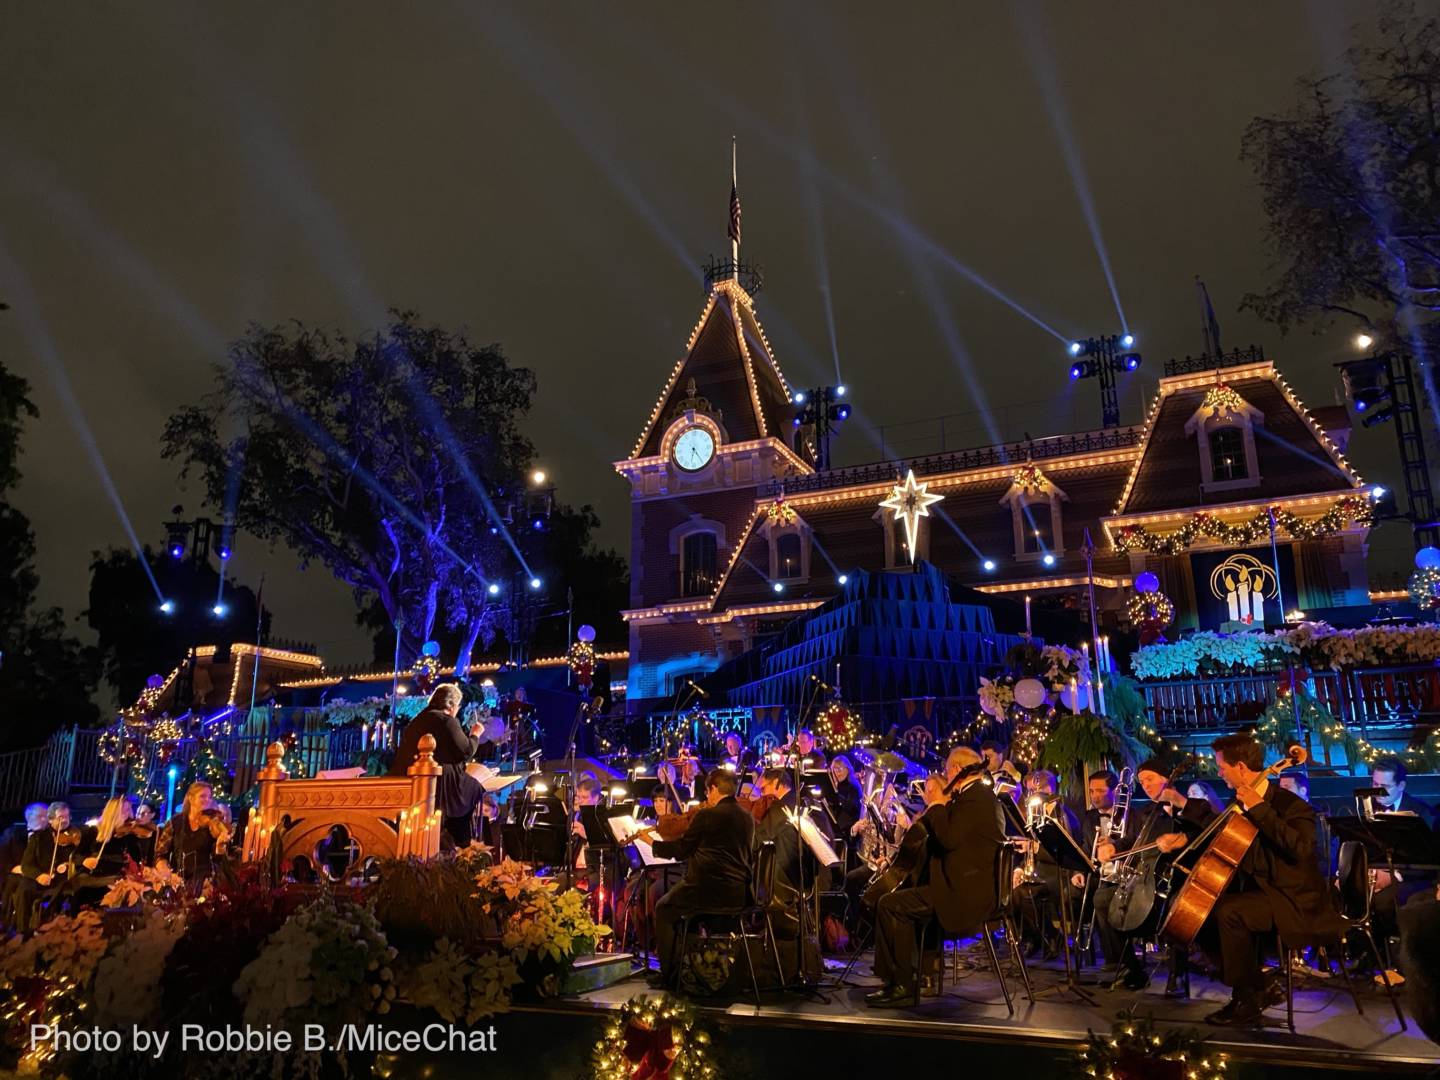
(981, 457)
(1193, 365)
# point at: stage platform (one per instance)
(968, 1023)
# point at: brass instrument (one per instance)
(1034, 816)
(1119, 819)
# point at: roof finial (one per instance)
(734, 230)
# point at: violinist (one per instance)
(736, 756)
(671, 784)
(193, 841)
(1169, 821)
(812, 758)
(717, 853)
(1281, 887)
(49, 857)
(966, 831)
(119, 838)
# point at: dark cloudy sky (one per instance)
(549, 176)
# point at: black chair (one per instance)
(748, 921)
(1355, 892)
(999, 920)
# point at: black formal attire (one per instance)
(1281, 888)
(965, 838)
(845, 809)
(775, 825)
(717, 852)
(14, 883)
(43, 855)
(192, 852)
(459, 792)
(12, 846)
(1412, 883)
(1146, 825)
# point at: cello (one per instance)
(1233, 834)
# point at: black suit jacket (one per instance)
(1281, 864)
(716, 849)
(12, 846)
(1424, 811)
(776, 826)
(966, 835)
(458, 792)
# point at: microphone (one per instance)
(697, 688)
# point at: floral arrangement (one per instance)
(139, 883)
(47, 979)
(458, 985)
(537, 921)
(127, 979)
(367, 711)
(996, 697)
(655, 1038)
(1314, 644)
(329, 963)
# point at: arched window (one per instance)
(1227, 454)
(697, 564)
(789, 556)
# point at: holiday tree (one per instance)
(208, 767)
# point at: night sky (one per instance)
(170, 173)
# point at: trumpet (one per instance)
(1034, 815)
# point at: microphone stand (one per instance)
(569, 799)
(802, 982)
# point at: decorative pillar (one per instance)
(265, 818)
(420, 826)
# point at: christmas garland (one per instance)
(1425, 587)
(1135, 1050)
(653, 1039)
(1351, 509)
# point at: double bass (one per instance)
(1233, 835)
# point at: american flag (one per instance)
(734, 231)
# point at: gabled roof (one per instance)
(730, 360)
(1295, 455)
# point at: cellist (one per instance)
(1281, 887)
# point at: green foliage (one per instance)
(1078, 743)
(419, 903)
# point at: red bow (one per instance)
(650, 1050)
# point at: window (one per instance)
(788, 556)
(1035, 528)
(697, 564)
(1227, 454)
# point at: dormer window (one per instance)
(789, 542)
(1036, 515)
(1224, 429)
(698, 564)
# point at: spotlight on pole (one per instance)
(167, 607)
(1049, 559)
(1103, 358)
(988, 566)
(840, 390)
(799, 397)
(535, 583)
(778, 586)
(1127, 341)
(1076, 348)
(843, 578)
(219, 610)
(493, 588)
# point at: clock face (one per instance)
(693, 449)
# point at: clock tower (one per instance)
(720, 429)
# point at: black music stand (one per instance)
(1391, 840)
(1070, 858)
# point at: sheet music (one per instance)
(816, 840)
(626, 829)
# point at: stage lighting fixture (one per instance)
(177, 551)
(778, 586)
(167, 607)
(989, 566)
(1076, 348)
(493, 588)
(535, 583)
(1384, 414)
(1377, 492)
(843, 578)
(537, 522)
(223, 551)
(1049, 559)
(1127, 341)
(1363, 341)
(219, 611)
(1131, 361)
(840, 390)
(799, 397)
(1076, 371)
(796, 421)
(1365, 384)
(843, 412)
(494, 529)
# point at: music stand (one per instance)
(1394, 840)
(1070, 858)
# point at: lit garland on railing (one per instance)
(1424, 587)
(1351, 509)
(165, 730)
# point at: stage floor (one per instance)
(1329, 1034)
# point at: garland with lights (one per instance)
(655, 1038)
(1029, 478)
(1352, 509)
(166, 730)
(1150, 613)
(839, 728)
(1223, 399)
(116, 746)
(781, 512)
(1136, 1050)
(1425, 588)
(581, 659)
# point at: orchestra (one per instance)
(887, 850)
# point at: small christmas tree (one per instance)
(209, 767)
(292, 762)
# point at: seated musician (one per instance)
(1099, 804)
(1170, 821)
(193, 842)
(966, 832)
(1281, 888)
(110, 848)
(772, 822)
(12, 852)
(844, 805)
(736, 755)
(669, 780)
(49, 854)
(812, 758)
(717, 852)
(1034, 901)
(583, 855)
(1398, 889)
(998, 764)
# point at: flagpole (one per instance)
(734, 232)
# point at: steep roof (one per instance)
(731, 362)
(1295, 455)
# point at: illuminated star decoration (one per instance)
(910, 502)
